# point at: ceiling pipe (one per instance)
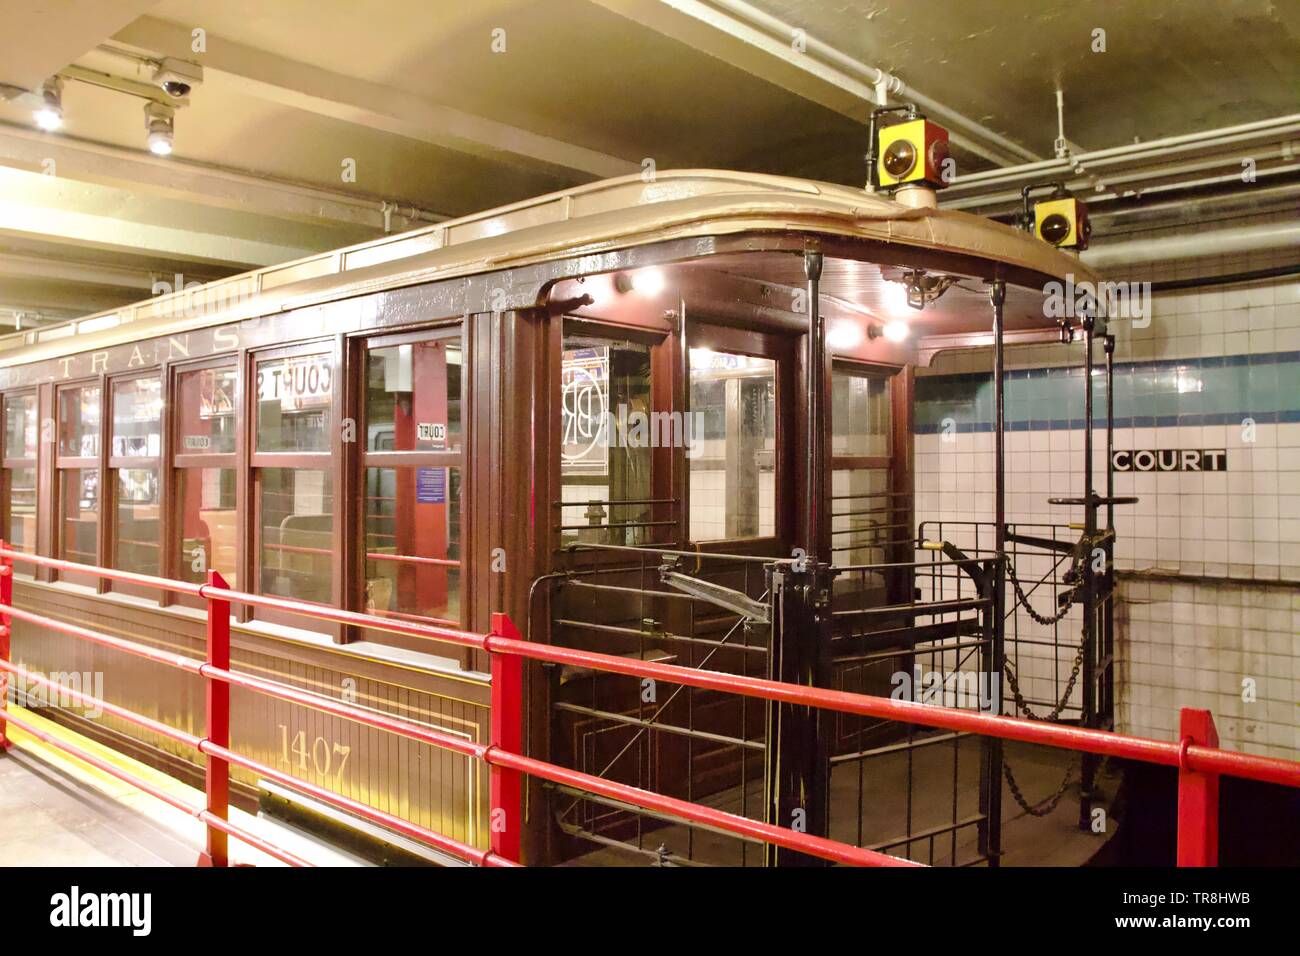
(972, 189)
(1197, 245)
(963, 131)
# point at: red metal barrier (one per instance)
(1197, 755)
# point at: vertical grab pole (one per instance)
(993, 745)
(217, 730)
(1198, 794)
(505, 786)
(1088, 691)
(6, 600)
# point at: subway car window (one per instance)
(206, 528)
(605, 470)
(412, 478)
(78, 476)
(733, 467)
(20, 496)
(137, 439)
(295, 487)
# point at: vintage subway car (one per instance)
(542, 409)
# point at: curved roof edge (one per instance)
(596, 217)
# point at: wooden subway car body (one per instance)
(412, 426)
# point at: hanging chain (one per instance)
(1043, 807)
(1071, 596)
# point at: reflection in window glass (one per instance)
(22, 513)
(79, 518)
(294, 400)
(296, 511)
(604, 382)
(137, 419)
(20, 426)
(205, 412)
(859, 415)
(79, 421)
(208, 529)
(733, 467)
(413, 541)
(137, 536)
(413, 397)
(861, 518)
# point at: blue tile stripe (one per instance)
(1207, 391)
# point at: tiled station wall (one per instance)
(1209, 609)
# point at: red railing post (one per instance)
(217, 729)
(505, 786)
(6, 600)
(1198, 794)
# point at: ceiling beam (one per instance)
(41, 38)
(39, 207)
(347, 98)
(359, 216)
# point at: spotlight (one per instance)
(160, 122)
(843, 336)
(49, 116)
(896, 330)
(647, 282)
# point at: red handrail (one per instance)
(1199, 759)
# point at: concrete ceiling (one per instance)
(440, 121)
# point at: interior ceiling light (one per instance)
(844, 335)
(160, 121)
(49, 115)
(896, 330)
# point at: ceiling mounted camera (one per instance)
(177, 77)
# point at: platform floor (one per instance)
(57, 811)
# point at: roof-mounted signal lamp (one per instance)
(910, 153)
(1060, 220)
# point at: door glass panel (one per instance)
(733, 466)
(605, 464)
(861, 516)
(859, 414)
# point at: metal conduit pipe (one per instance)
(964, 131)
(1279, 128)
(1087, 179)
(1270, 235)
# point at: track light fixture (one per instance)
(160, 121)
(49, 115)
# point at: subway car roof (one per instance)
(586, 221)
